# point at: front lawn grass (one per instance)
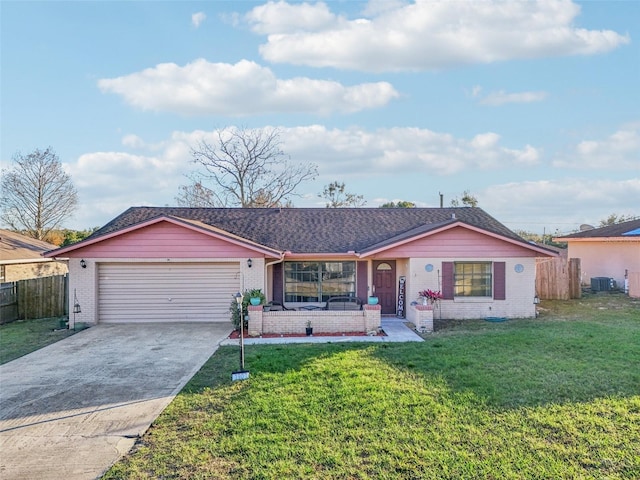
(555, 397)
(25, 336)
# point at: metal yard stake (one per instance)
(241, 374)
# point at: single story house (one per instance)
(612, 251)
(166, 264)
(21, 258)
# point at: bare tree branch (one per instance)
(247, 168)
(37, 194)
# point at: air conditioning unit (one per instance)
(602, 284)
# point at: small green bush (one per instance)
(235, 311)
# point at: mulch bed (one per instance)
(236, 334)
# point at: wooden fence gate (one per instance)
(8, 302)
(34, 298)
(558, 278)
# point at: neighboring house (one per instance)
(184, 264)
(612, 251)
(21, 258)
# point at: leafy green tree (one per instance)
(398, 204)
(337, 197)
(614, 218)
(544, 239)
(74, 236)
(467, 200)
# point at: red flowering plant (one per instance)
(431, 295)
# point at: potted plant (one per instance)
(430, 296)
(256, 297)
(309, 329)
(373, 298)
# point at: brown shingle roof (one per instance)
(316, 230)
(624, 229)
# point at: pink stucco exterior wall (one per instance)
(606, 258)
(164, 239)
(457, 242)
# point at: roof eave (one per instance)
(320, 255)
(195, 226)
(368, 253)
(629, 238)
(22, 261)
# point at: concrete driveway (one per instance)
(71, 409)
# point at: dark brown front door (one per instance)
(384, 281)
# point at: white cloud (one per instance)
(559, 204)
(198, 18)
(501, 97)
(282, 17)
(132, 141)
(619, 151)
(385, 151)
(110, 182)
(240, 89)
(425, 34)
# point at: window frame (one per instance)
(479, 283)
(318, 274)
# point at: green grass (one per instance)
(555, 397)
(25, 336)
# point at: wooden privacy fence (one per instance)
(8, 302)
(34, 298)
(558, 278)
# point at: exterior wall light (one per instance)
(249, 262)
(83, 264)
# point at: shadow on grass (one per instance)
(25, 336)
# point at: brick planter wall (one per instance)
(423, 317)
(322, 321)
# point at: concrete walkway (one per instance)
(72, 409)
(395, 329)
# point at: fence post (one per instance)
(575, 290)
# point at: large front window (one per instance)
(473, 279)
(318, 281)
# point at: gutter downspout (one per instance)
(266, 265)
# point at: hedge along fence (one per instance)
(34, 298)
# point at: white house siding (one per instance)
(520, 289)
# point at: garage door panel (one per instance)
(157, 292)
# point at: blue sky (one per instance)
(531, 106)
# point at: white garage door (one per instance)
(163, 292)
